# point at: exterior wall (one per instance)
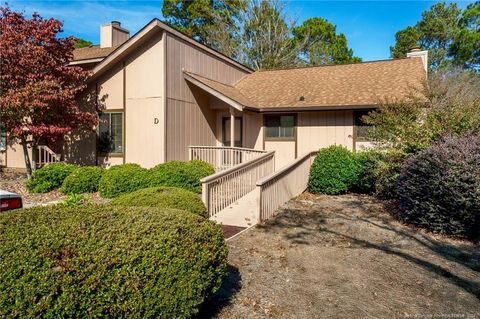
(136, 88)
(189, 118)
(144, 109)
(284, 152)
(321, 129)
(14, 156)
(252, 130)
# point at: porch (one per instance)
(246, 189)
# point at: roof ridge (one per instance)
(331, 65)
(204, 77)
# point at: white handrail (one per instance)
(46, 156)
(222, 157)
(279, 187)
(224, 188)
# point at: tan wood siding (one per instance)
(188, 122)
(321, 129)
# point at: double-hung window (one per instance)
(279, 127)
(110, 133)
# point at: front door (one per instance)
(226, 131)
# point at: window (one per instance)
(110, 133)
(3, 137)
(280, 127)
(361, 128)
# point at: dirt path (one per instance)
(344, 257)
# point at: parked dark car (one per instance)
(9, 201)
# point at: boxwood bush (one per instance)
(185, 175)
(49, 177)
(122, 179)
(439, 188)
(333, 171)
(102, 261)
(82, 180)
(164, 197)
(368, 162)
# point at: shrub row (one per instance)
(118, 180)
(163, 197)
(49, 177)
(107, 261)
(123, 179)
(337, 170)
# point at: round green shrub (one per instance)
(367, 162)
(186, 175)
(49, 177)
(333, 171)
(102, 261)
(82, 180)
(164, 197)
(122, 179)
(439, 188)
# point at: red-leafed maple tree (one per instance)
(37, 87)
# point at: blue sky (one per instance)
(370, 26)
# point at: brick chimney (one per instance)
(112, 34)
(416, 52)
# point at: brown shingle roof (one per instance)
(92, 52)
(336, 85)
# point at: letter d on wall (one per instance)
(155, 120)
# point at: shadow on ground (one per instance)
(231, 284)
(310, 225)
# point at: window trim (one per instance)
(357, 138)
(280, 139)
(112, 154)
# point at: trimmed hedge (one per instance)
(49, 177)
(122, 179)
(164, 197)
(333, 171)
(439, 188)
(106, 261)
(367, 162)
(82, 180)
(180, 174)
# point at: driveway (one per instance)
(345, 257)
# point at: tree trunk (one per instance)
(28, 163)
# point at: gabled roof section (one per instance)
(325, 87)
(91, 52)
(140, 37)
(224, 92)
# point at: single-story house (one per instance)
(160, 91)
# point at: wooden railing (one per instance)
(44, 155)
(278, 188)
(224, 188)
(223, 157)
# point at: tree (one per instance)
(81, 43)
(322, 45)
(37, 87)
(212, 22)
(405, 40)
(465, 49)
(448, 104)
(450, 35)
(267, 41)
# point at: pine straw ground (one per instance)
(346, 257)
